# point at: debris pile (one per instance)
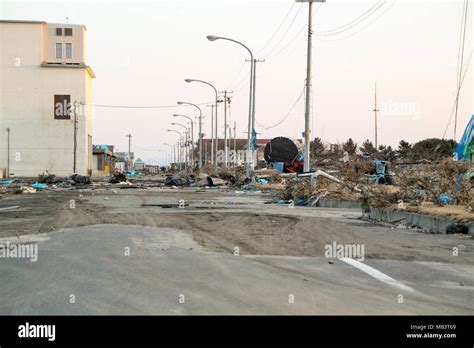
(80, 179)
(118, 178)
(448, 182)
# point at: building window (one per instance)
(62, 107)
(59, 31)
(59, 50)
(69, 50)
(67, 31)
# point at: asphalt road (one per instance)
(88, 270)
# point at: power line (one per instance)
(288, 113)
(285, 33)
(279, 27)
(293, 40)
(466, 2)
(355, 21)
(290, 43)
(457, 94)
(238, 85)
(140, 106)
(241, 84)
(237, 75)
(363, 28)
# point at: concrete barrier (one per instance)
(338, 203)
(427, 223)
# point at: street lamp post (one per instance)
(179, 144)
(166, 154)
(248, 168)
(186, 144)
(215, 125)
(200, 130)
(172, 154)
(192, 136)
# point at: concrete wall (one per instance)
(38, 141)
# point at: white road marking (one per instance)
(9, 208)
(376, 274)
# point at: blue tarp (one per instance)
(466, 144)
(253, 140)
(280, 166)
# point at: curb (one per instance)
(427, 223)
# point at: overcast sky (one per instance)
(141, 52)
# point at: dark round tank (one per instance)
(281, 149)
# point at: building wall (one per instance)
(50, 39)
(38, 142)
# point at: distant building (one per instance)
(152, 169)
(43, 74)
(103, 160)
(123, 161)
(139, 164)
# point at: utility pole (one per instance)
(129, 153)
(179, 153)
(174, 154)
(226, 147)
(75, 137)
(235, 144)
(307, 128)
(8, 153)
(254, 88)
(212, 133)
(216, 135)
(375, 114)
(200, 139)
(186, 149)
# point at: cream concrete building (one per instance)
(43, 80)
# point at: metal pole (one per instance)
(192, 137)
(172, 160)
(200, 141)
(375, 112)
(187, 149)
(214, 38)
(212, 134)
(200, 131)
(192, 145)
(75, 137)
(216, 134)
(307, 129)
(129, 153)
(179, 144)
(179, 152)
(186, 142)
(216, 101)
(235, 143)
(248, 169)
(255, 61)
(226, 152)
(8, 153)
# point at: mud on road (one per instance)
(221, 220)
